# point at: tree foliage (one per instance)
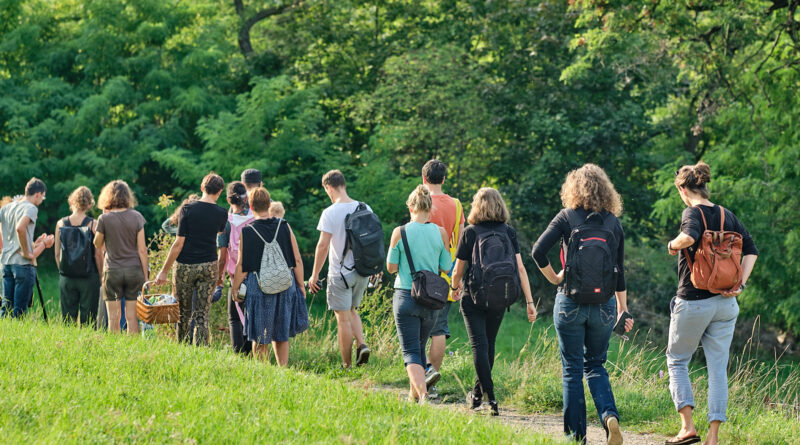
(510, 93)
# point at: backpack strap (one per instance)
(721, 219)
(408, 251)
(65, 222)
(258, 234)
(280, 220)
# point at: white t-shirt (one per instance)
(332, 221)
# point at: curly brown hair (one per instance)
(116, 195)
(487, 206)
(589, 187)
(81, 199)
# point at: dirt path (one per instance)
(542, 423)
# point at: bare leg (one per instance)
(345, 336)
(416, 375)
(131, 318)
(356, 326)
(281, 349)
(114, 314)
(687, 424)
(261, 352)
(713, 433)
(436, 354)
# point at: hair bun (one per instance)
(702, 173)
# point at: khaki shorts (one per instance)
(123, 284)
(343, 297)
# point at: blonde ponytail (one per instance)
(419, 201)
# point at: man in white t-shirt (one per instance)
(345, 286)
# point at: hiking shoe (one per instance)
(433, 393)
(362, 355)
(431, 377)
(494, 410)
(474, 402)
(614, 434)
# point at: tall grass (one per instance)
(764, 405)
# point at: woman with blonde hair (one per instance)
(698, 315)
(79, 262)
(427, 247)
(120, 230)
(488, 260)
(592, 295)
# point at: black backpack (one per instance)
(493, 280)
(77, 249)
(590, 273)
(365, 238)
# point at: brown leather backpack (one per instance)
(717, 263)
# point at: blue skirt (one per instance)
(273, 317)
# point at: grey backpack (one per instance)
(274, 275)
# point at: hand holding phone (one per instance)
(619, 328)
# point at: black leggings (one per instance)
(482, 327)
(238, 339)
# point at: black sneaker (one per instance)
(474, 402)
(362, 355)
(431, 377)
(493, 406)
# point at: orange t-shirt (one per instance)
(443, 213)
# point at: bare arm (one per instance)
(141, 245)
(174, 251)
(319, 259)
(681, 241)
(446, 242)
(22, 234)
(551, 275)
(393, 268)
(222, 262)
(298, 264)
(238, 278)
(57, 246)
(458, 274)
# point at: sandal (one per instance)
(684, 441)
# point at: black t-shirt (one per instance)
(200, 222)
(560, 229)
(466, 243)
(252, 247)
(692, 225)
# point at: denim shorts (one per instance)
(414, 323)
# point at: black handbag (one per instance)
(428, 289)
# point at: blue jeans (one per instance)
(710, 322)
(414, 323)
(18, 281)
(583, 334)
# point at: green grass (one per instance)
(71, 385)
(764, 402)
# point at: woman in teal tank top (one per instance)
(414, 322)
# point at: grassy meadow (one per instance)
(142, 384)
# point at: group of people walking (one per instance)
(478, 258)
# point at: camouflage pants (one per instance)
(191, 278)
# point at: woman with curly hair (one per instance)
(79, 262)
(584, 318)
(120, 230)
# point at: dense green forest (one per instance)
(510, 93)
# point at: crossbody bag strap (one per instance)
(408, 251)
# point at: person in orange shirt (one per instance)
(448, 214)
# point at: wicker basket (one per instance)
(165, 313)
